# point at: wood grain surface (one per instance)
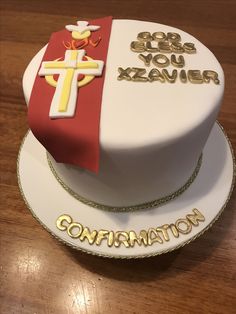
(40, 275)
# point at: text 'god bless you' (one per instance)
(152, 49)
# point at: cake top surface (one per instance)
(137, 114)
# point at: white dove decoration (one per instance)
(82, 29)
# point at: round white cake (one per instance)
(152, 131)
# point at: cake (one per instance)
(161, 90)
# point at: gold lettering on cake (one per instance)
(174, 230)
(74, 226)
(164, 231)
(159, 36)
(124, 74)
(189, 48)
(183, 76)
(153, 236)
(102, 234)
(177, 48)
(144, 36)
(192, 76)
(137, 46)
(158, 235)
(121, 237)
(138, 75)
(164, 46)
(155, 75)
(160, 61)
(110, 240)
(146, 59)
(157, 45)
(150, 47)
(177, 63)
(87, 234)
(171, 78)
(210, 75)
(195, 217)
(173, 37)
(60, 222)
(183, 226)
(140, 239)
(195, 76)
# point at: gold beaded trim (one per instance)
(146, 205)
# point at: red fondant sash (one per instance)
(71, 140)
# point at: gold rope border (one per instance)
(131, 208)
(133, 256)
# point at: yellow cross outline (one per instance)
(87, 79)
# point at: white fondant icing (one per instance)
(47, 200)
(82, 26)
(68, 63)
(151, 134)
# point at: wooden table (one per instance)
(40, 275)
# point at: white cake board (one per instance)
(47, 200)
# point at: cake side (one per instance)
(151, 134)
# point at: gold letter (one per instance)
(173, 37)
(119, 241)
(163, 230)
(59, 222)
(146, 59)
(195, 76)
(150, 48)
(102, 234)
(71, 227)
(177, 48)
(187, 224)
(183, 76)
(137, 46)
(174, 230)
(189, 48)
(211, 75)
(197, 216)
(144, 36)
(89, 235)
(160, 61)
(155, 75)
(164, 46)
(159, 36)
(110, 238)
(180, 63)
(142, 238)
(170, 78)
(137, 77)
(124, 74)
(156, 238)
